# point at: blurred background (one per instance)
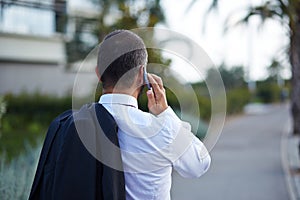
(255, 45)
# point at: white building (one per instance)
(33, 57)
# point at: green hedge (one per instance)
(237, 99)
(268, 92)
(27, 119)
(37, 106)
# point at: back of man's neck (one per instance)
(108, 91)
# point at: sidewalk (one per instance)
(247, 160)
(291, 161)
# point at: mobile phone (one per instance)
(146, 79)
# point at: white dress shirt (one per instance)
(151, 146)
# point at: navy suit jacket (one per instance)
(67, 170)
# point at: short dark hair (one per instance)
(121, 52)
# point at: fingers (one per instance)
(157, 84)
(151, 98)
(157, 101)
(154, 79)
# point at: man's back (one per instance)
(143, 138)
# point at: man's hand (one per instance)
(157, 101)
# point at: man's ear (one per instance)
(98, 74)
(141, 75)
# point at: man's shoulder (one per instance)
(68, 119)
(85, 113)
(88, 117)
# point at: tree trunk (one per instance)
(295, 62)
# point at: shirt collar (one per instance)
(121, 99)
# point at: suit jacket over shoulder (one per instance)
(67, 170)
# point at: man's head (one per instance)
(120, 57)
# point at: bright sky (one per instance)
(237, 47)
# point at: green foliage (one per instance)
(16, 176)
(267, 92)
(130, 15)
(204, 107)
(237, 99)
(232, 77)
(203, 99)
(172, 99)
(154, 56)
(2, 111)
(121, 14)
(27, 119)
(142, 101)
(275, 69)
(78, 48)
(237, 94)
(37, 106)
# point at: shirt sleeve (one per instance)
(194, 162)
(194, 159)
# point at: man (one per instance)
(142, 149)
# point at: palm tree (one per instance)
(287, 12)
(123, 14)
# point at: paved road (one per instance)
(246, 162)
